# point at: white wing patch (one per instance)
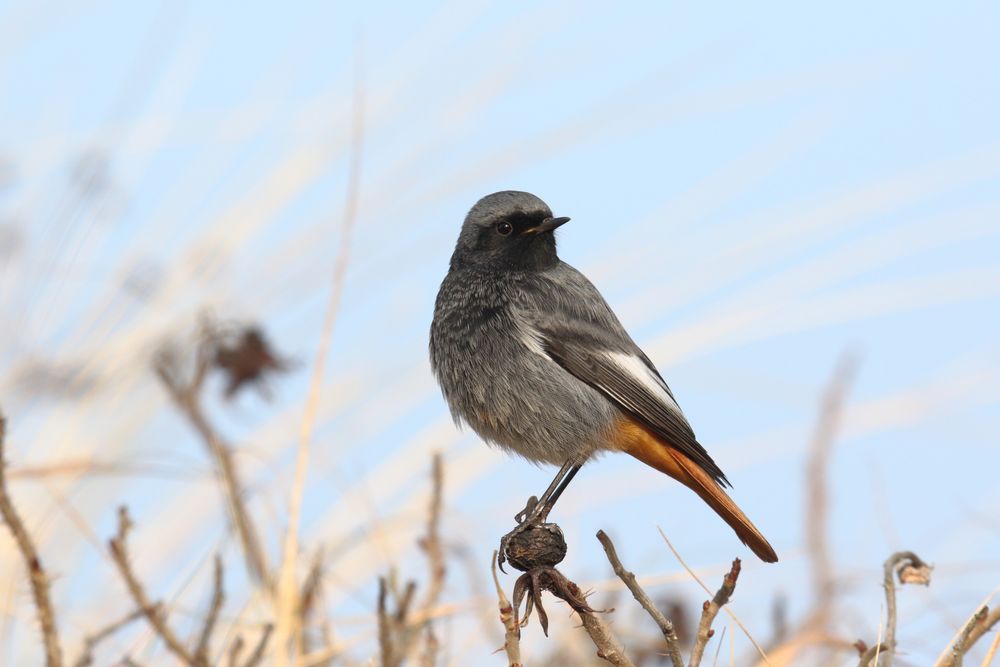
(634, 367)
(532, 339)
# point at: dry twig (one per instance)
(152, 611)
(628, 578)
(869, 657)
(608, 646)
(817, 495)
(187, 397)
(215, 605)
(37, 577)
(287, 588)
(710, 610)
(980, 623)
(911, 570)
(512, 632)
(400, 630)
(91, 641)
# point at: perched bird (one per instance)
(529, 354)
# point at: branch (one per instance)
(980, 623)
(666, 627)
(431, 543)
(911, 570)
(709, 611)
(817, 498)
(608, 646)
(187, 398)
(873, 652)
(91, 641)
(152, 611)
(36, 573)
(512, 633)
(258, 652)
(218, 595)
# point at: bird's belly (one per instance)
(534, 408)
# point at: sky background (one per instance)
(757, 190)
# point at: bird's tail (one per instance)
(653, 452)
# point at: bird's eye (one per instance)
(504, 228)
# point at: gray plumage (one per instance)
(529, 354)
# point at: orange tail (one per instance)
(639, 442)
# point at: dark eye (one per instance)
(504, 228)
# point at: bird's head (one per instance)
(508, 230)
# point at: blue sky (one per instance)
(756, 189)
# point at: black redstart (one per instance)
(529, 354)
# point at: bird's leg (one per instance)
(536, 510)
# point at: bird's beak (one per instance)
(547, 225)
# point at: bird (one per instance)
(528, 353)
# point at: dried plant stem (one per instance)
(29, 554)
(990, 654)
(980, 623)
(152, 611)
(91, 641)
(817, 492)
(628, 578)
(512, 633)
(871, 655)
(187, 397)
(287, 590)
(893, 564)
(400, 631)
(214, 606)
(710, 610)
(732, 615)
(608, 646)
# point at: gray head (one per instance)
(508, 230)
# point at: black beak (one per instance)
(547, 225)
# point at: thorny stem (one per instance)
(892, 565)
(29, 554)
(710, 610)
(666, 627)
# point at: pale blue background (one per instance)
(756, 188)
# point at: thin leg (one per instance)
(554, 488)
(547, 505)
(537, 509)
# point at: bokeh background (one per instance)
(759, 190)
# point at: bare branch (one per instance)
(817, 496)
(710, 610)
(909, 567)
(152, 611)
(980, 623)
(287, 587)
(628, 578)
(732, 615)
(385, 627)
(218, 596)
(431, 543)
(235, 649)
(37, 577)
(869, 657)
(187, 398)
(512, 632)
(608, 646)
(258, 651)
(91, 641)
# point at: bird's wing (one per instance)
(569, 321)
